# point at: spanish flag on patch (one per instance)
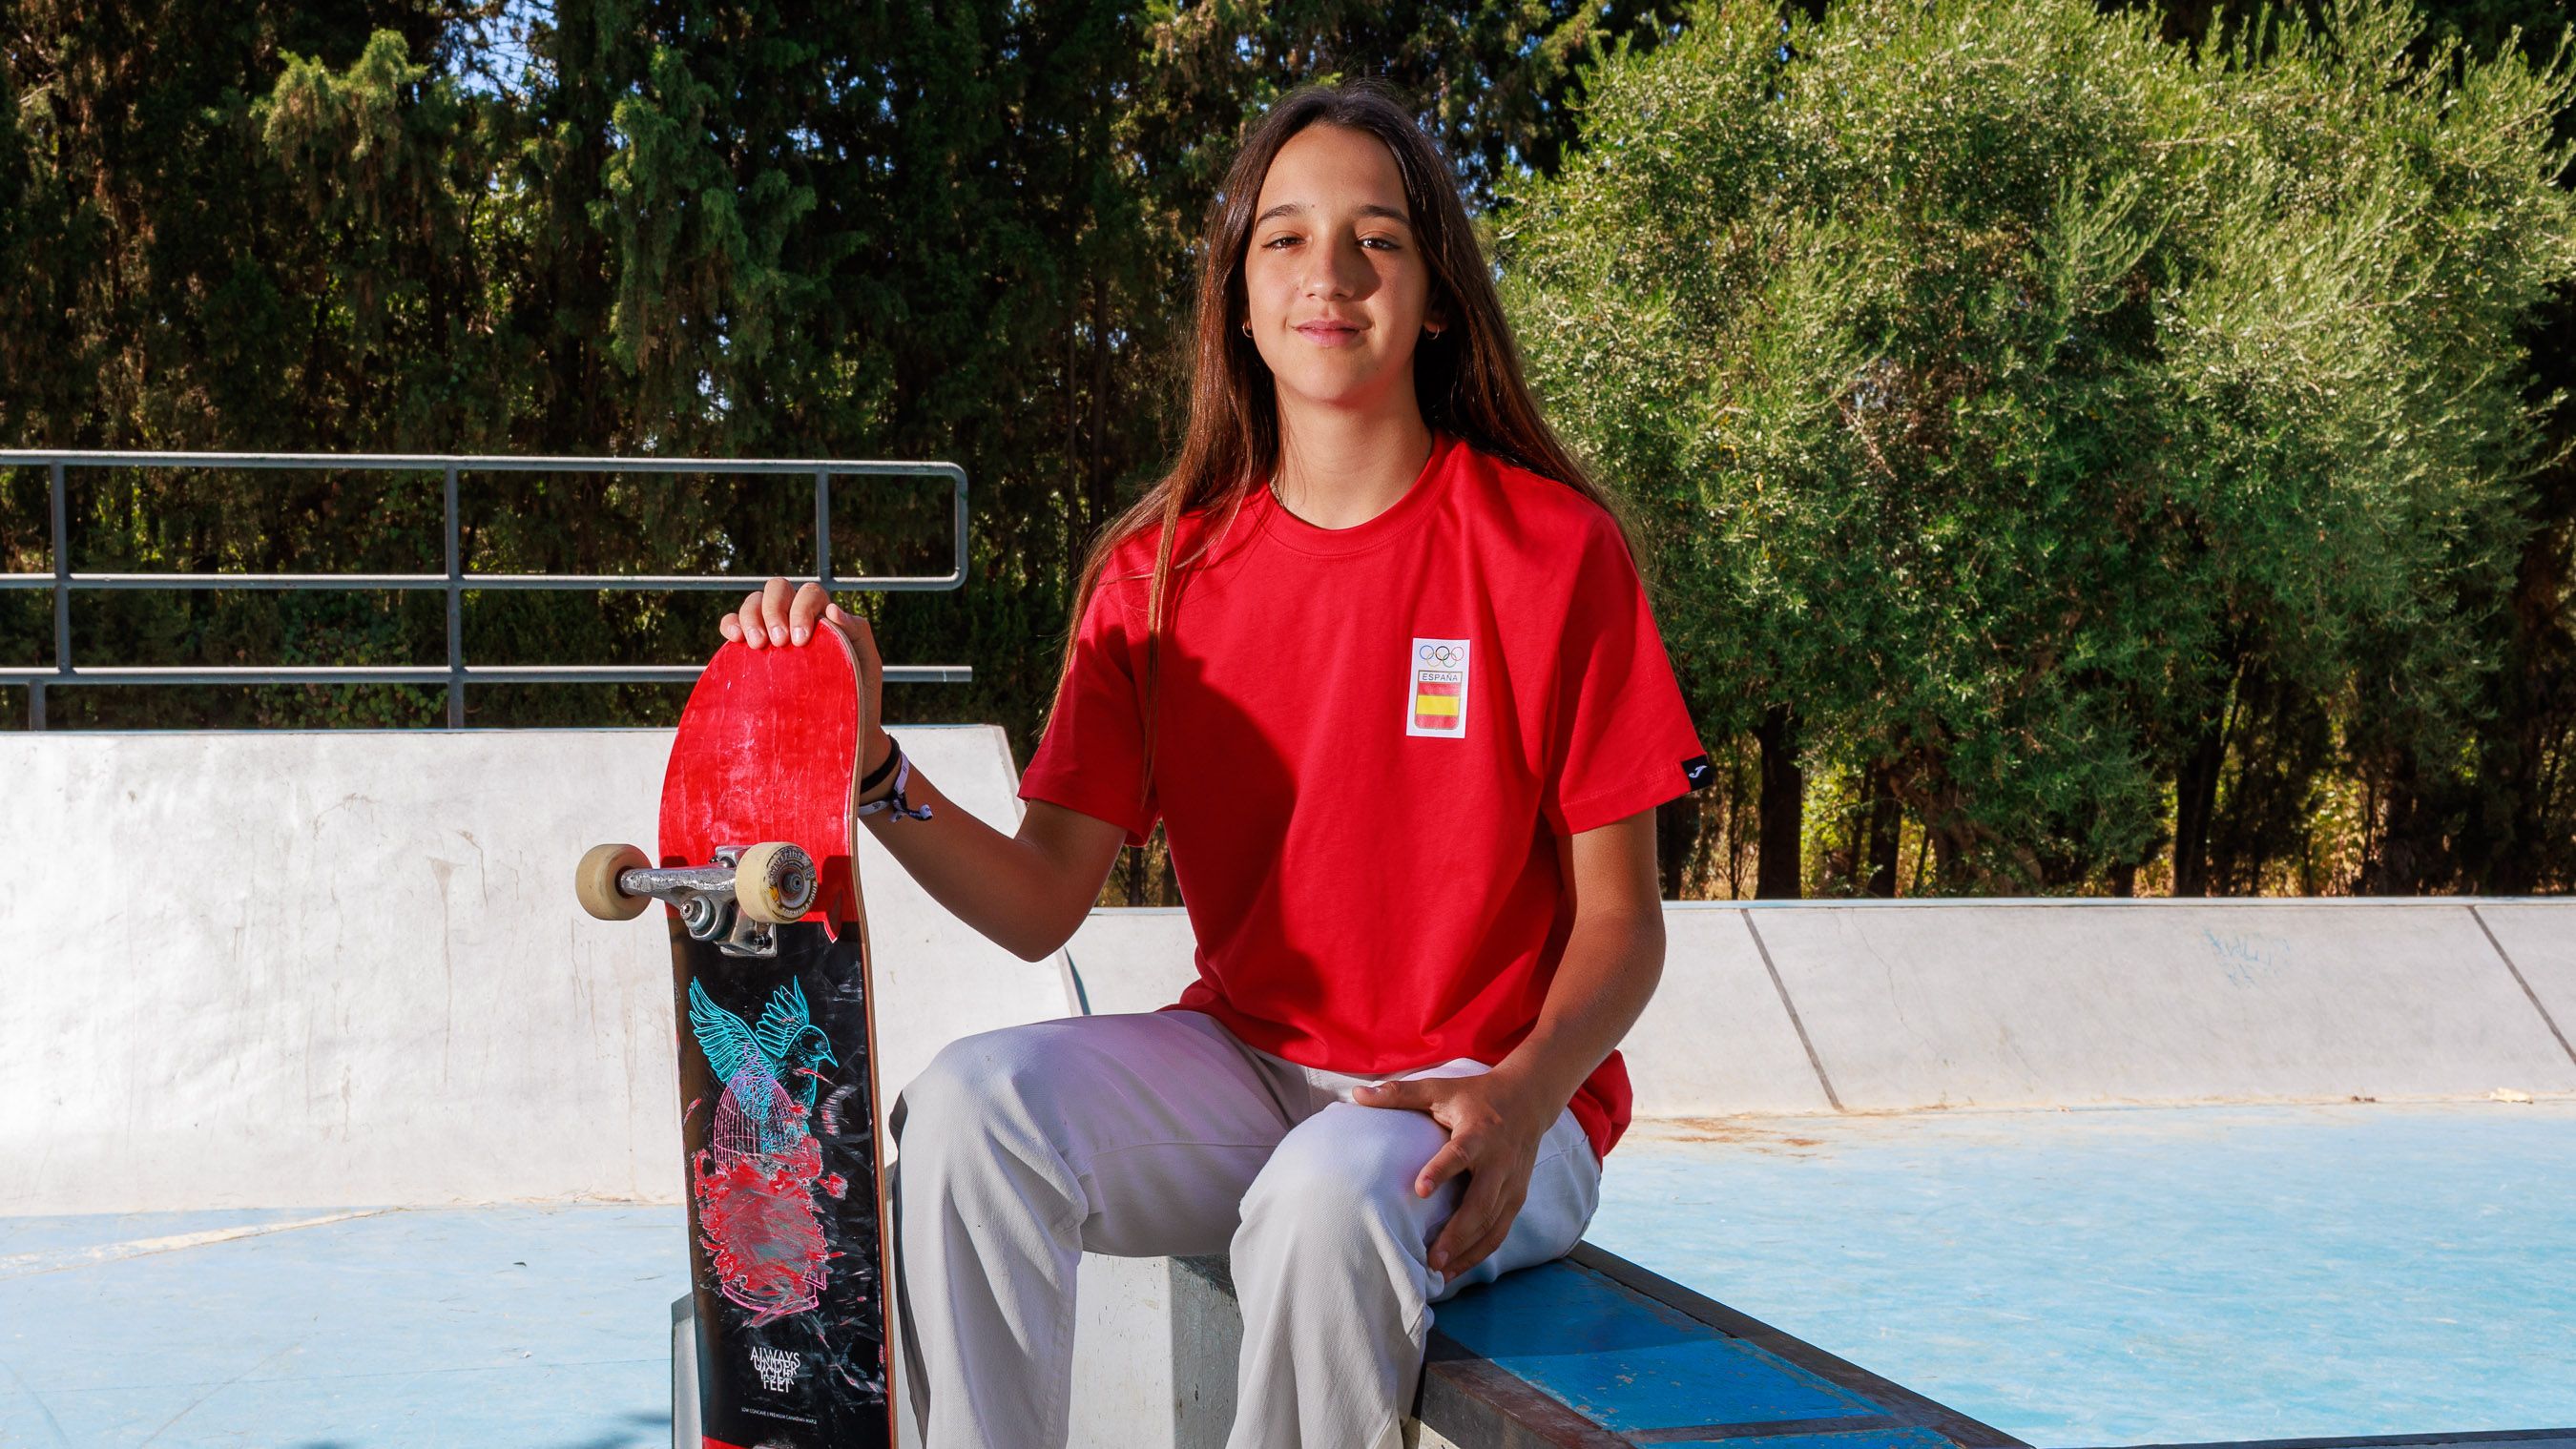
(1435, 705)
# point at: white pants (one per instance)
(1159, 1134)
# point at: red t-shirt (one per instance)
(1369, 740)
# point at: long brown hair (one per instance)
(1467, 380)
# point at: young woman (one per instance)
(1377, 654)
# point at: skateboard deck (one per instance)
(788, 1261)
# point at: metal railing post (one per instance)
(56, 487)
(823, 529)
(455, 609)
(957, 521)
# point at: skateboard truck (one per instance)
(733, 902)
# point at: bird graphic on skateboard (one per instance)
(788, 1260)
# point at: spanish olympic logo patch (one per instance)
(1435, 695)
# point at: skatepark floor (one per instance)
(2089, 1277)
(2137, 1275)
(533, 1327)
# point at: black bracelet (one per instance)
(881, 771)
(894, 800)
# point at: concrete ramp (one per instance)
(274, 970)
(2002, 1004)
(2537, 940)
(346, 967)
(1131, 960)
(1813, 1006)
(1716, 1040)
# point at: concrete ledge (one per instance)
(1590, 1352)
(686, 1421)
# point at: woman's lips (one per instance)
(1327, 334)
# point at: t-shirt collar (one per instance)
(1397, 519)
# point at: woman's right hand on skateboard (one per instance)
(1027, 891)
(783, 615)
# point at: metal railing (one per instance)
(455, 582)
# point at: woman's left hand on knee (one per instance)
(1494, 1133)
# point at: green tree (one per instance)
(2010, 384)
(752, 228)
(2086, 447)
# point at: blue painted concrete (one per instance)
(1847, 1439)
(1627, 1362)
(2146, 1275)
(546, 1328)
(2094, 1277)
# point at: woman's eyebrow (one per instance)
(1286, 208)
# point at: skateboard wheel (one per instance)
(774, 883)
(595, 882)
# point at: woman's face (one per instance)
(1336, 285)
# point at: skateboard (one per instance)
(788, 1264)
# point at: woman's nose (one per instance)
(1342, 271)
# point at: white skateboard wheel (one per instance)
(774, 883)
(594, 881)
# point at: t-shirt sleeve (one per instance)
(1623, 739)
(1091, 756)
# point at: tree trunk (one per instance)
(1948, 860)
(1677, 832)
(1778, 875)
(2400, 865)
(2195, 799)
(2519, 853)
(1134, 871)
(1886, 828)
